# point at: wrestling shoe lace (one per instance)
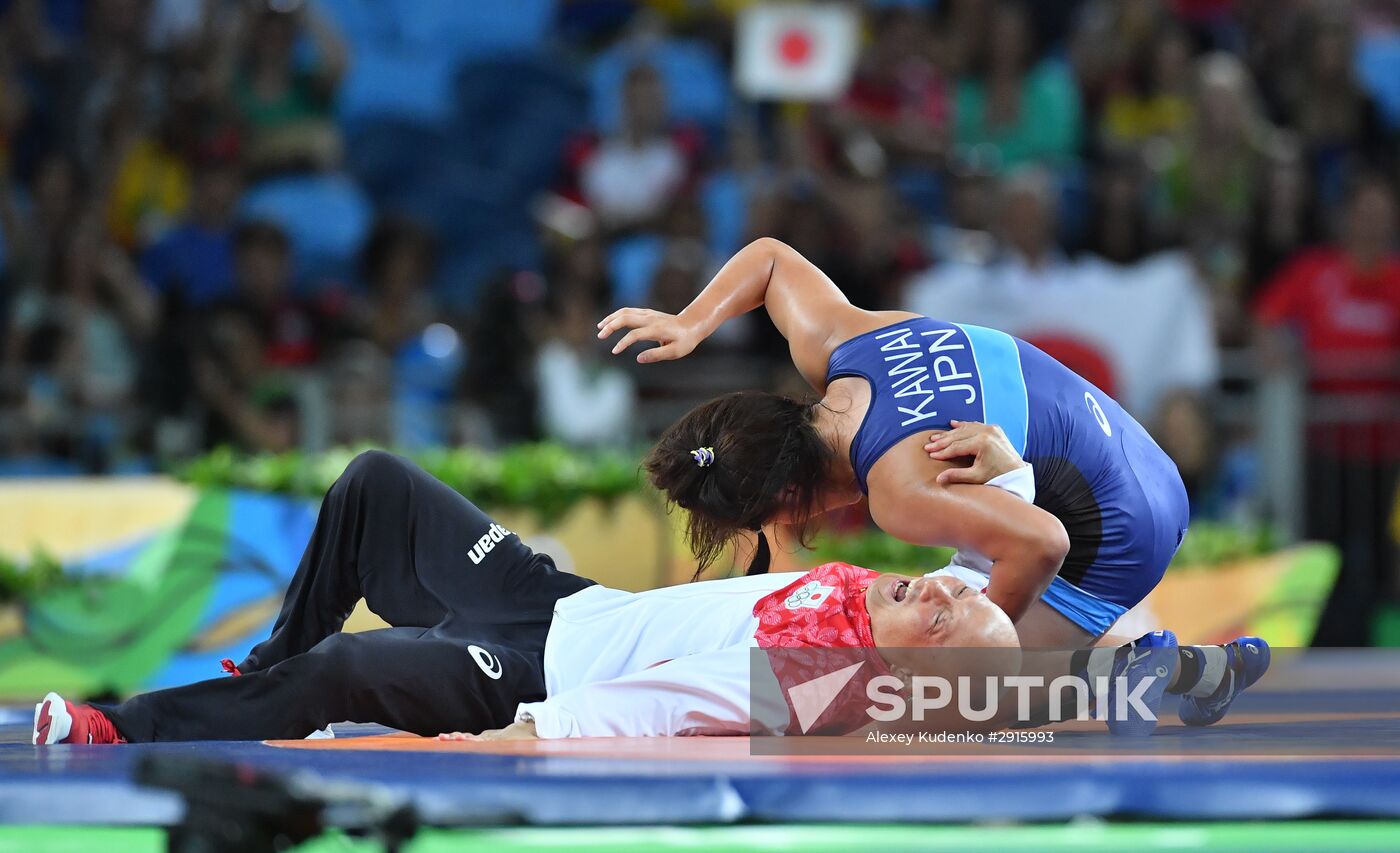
(100, 728)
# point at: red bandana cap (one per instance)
(823, 609)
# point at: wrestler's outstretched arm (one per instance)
(808, 309)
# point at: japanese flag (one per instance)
(796, 53)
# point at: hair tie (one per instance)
(762, 556)
(703, 456)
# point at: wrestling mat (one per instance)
(1325, 743)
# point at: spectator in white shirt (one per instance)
(585, 399)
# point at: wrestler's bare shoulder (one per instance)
(859, 321)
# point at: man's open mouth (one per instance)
(901, 589)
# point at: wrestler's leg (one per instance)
(400, 677)
(1044, 627)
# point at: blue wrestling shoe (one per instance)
(1152, 656)
(1248, 660)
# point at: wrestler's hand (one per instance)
(676, 336)
(514, 731)
(991, 452)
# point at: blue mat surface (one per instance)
(1315, 745)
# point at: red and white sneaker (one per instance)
(56, 720)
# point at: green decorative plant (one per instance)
(1210, 543)
(21, 581)
(548, 479)
(876, 550)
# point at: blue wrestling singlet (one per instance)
(1117, 493)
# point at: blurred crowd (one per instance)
(278, 224)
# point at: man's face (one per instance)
(914, 613)
(917, 612)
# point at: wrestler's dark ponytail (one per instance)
(736, 463)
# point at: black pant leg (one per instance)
(406, 678)
(413, 548)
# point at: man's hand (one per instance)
(514, 731)
(991, 452)
(677, 337)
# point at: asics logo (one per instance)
(489, 663)
(487, 543)
(1097, 411)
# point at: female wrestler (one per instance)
(1110, 508)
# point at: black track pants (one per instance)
(470, 605)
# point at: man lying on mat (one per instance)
(484, 629)
(489, 635)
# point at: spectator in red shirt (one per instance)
(1343, 304)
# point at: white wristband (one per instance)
(1020, 482)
